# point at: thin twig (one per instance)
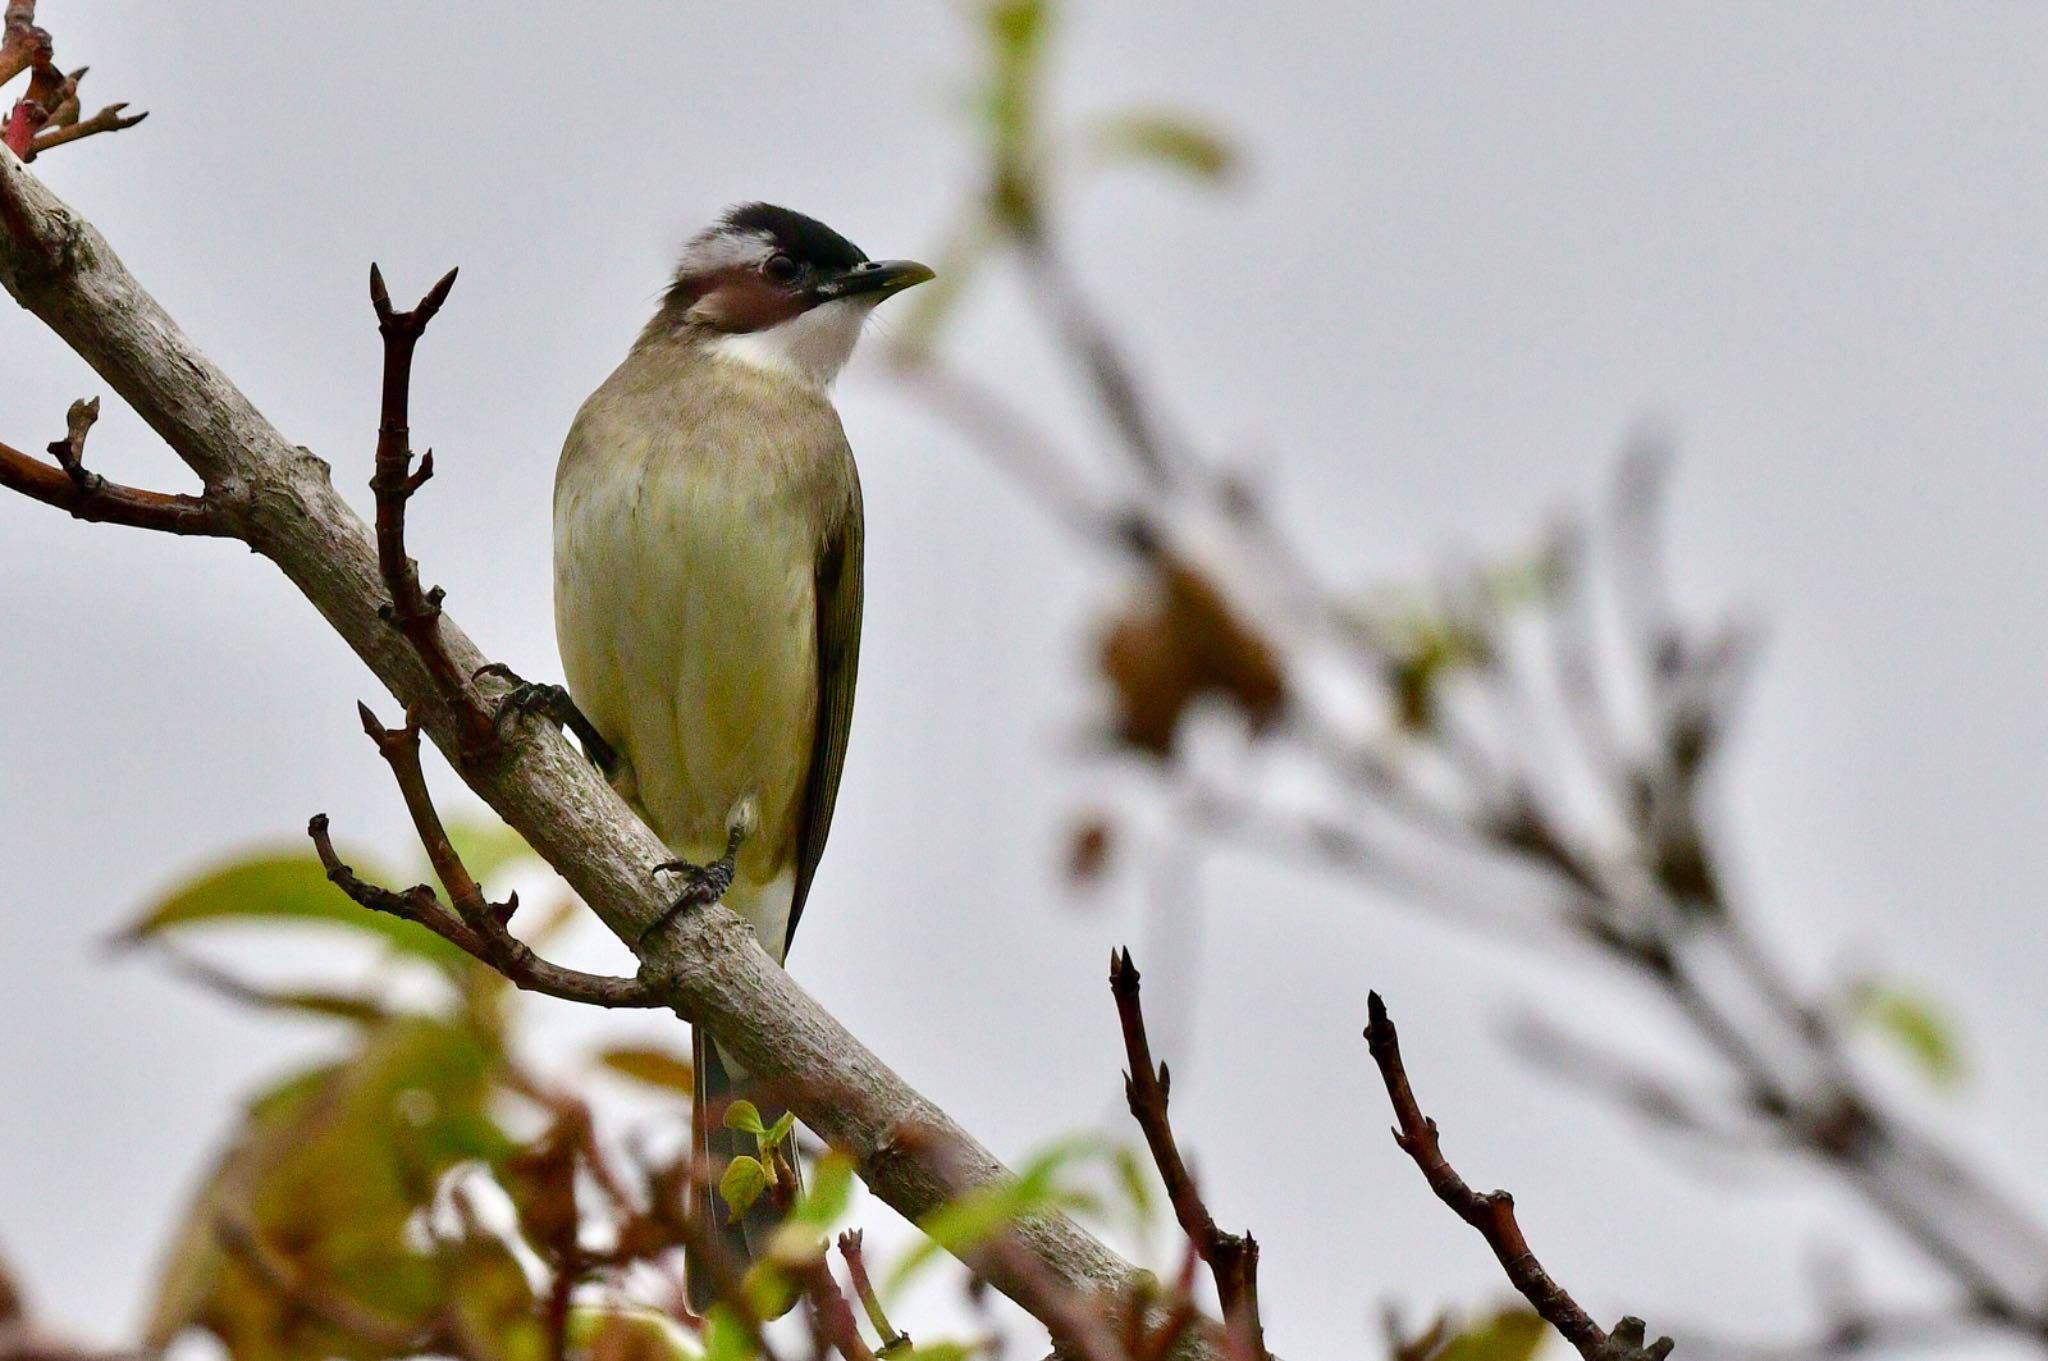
(474, 925)
(109, 119)
(1233, 1259)
(831, 1315)
(87, 496)
(1493, 1215)
(414, 612)
(864, 1289)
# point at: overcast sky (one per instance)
(1473, 248)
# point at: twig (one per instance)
(831, 1315)
(87, 496)
(412, 611)
(864, 1289)
(52, 98)
(109, 119)
(474, 926)
(1233, 1259)
(1109, 373)
(1493, 1215)
(24, 45)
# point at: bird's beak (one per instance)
(877, 277)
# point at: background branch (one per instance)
(1493, 1215)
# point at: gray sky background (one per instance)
(1474, 247)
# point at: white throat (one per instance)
(811, 347)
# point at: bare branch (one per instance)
(109, 119)
(412, 611)
(1233, 1259)
(474, 926)
(88, 496)
(1493, 1215)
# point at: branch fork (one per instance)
(468, 920)
(85, 495)
(414, 612)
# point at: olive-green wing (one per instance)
(838, 585)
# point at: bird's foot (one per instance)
(703, 885)
(552, 703)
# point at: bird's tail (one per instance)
(715, 1146)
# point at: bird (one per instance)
(708, 585)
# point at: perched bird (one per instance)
(708, 587)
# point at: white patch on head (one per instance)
(723, 247)
(810, 347)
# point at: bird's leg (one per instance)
(553, 703)
(703, 885)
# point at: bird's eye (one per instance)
(780, 268)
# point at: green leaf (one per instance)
(724, 1338)
(1913, 1023)
(743, 1183)
(269, 886)
(979, 1215)
(830, 1192)
(745, 1117)
(937, 1351)
(1134, 1174)
(487, 846)
(655, 1067)
(1157, 138)
(1512, 1335)
(778, 1131)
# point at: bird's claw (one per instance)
(553, 703)
(703, 885)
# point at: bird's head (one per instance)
(780, 291)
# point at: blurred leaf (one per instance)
(724, 1338)
(743, 1183)
(1177, 640)
(1088, 850)
(830, 1192)
(540, 1178)
(937, 1351)
(488, 846)
(745, 1117)
(1511, 1335)
(1428, 648)
(916, 329)
(1159, 138)
(1913, 1023)
(982, 1213)
(328, 1169)
(1134, 1174)
(271, 886)
(616, 1334)
(492, 1303)
(655, 1067)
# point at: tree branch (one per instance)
(475, 926)
(713, 972)
(412, 611)
(1233, 1259)
(88, 496)
(1493, 1215)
